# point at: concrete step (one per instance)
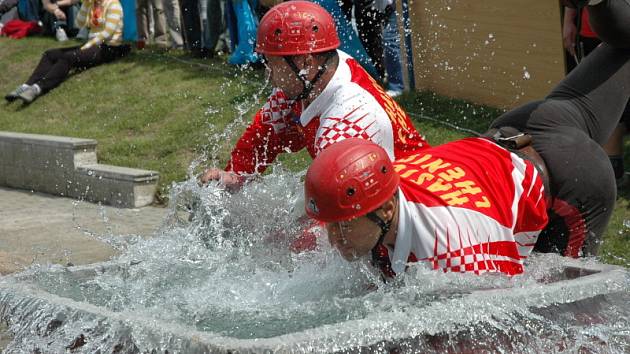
(68, 166)
(110, 184)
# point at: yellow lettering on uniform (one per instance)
(453, 198)
(455, 173)
(399, 167)
(408, 159)
(389, 107)
(437, 186)
(424, 177)
(408, 173)
(436, 165)
(421, 160)
(393, 111)
(467, 187)
(483, 204)
(402, 119)
(402, 137)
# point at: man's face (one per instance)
(283, 77)
(353, 238)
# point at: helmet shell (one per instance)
(294, 28)
(349, 179)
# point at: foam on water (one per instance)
(222, 265)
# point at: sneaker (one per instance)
(61, 35)
(83, 34)
(394, 93)
(15, 94)
(29, 94)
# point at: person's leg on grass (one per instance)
(62, 62)
(47, 61)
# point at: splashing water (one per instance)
(221, 268)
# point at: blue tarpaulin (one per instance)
(130, 32)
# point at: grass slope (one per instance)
(163, 111)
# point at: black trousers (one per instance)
(370, 24)
(191, 23)
(568, 128)
(55, 64)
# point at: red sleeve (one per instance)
(273, 131)
(257, 147)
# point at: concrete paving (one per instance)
(40, 228)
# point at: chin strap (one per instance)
(385, 226)
(308, 84)
(379, 256)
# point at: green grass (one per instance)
(162, 111)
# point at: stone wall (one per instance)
(68, 167)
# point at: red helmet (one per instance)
(349, 179)
(296, 27)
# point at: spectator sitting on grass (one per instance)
(59, 13)
(103, 18)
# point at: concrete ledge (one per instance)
(47, 140)
(68, 167)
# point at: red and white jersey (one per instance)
(351, 105)
(468, 206)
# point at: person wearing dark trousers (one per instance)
(570, 126)
(578, 38)
(192, 27)
(579, 41)
(615, 149)
(370, 21)
(104, 20)
(59, 17)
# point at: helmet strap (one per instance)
(377, 257)
(308, 84)
(382, 224)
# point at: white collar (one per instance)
(341, 76)
(402, 248)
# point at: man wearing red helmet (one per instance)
(482, 204)
(321, 96)
(465, 206)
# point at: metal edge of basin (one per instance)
(600, 279)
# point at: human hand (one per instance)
(569, 31)
(568, 38)
(60, 15)
(230, 180)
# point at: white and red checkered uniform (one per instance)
(468, 206)
(351, 105)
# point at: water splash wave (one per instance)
(220, 276)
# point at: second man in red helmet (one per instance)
(321, 96)
(538, 180)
